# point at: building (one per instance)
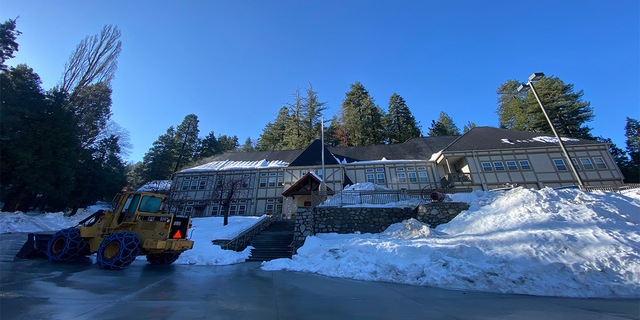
(484, 158)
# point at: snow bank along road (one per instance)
(38, 289)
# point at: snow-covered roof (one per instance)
(383, 160)
(156, 185)
(237, 165)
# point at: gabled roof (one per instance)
(309, 179)
(489, 138)
(413, 149)
(312, 155)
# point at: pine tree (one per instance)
(361, 118)
(294, 135)
(444, 126)
(159, 162)
(470, 125)
(187, 141)
(567, 111)
(8, 44)
(632, 132)
(248, 146)
(208, 147)
(400, 123)
(273, 134)
(312, 120)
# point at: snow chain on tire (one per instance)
(118, 250)
(65, 245)
(163, 259)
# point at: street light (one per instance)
(535, 77)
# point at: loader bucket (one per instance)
(36, 246)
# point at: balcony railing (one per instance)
(456, 179)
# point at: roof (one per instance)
(309, 180)
(311, 156)
(237, 165)
(413, 149)
(489, 138)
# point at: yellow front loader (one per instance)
(136, 226)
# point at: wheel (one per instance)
(65, 245)
(163, 259)
(433, 194)
(118, 250)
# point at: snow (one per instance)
(156, 185)
(348, 198)
(237, 165)
(549, 242)
(203, 231)
(546, 242)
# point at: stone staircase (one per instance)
(274, 242)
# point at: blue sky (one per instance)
(235, 63)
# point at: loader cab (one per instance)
(129, 204)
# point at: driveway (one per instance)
(38, 289)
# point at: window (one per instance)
(423, 177)
(411, 169)
(185, 185)
(245, 182)
(272, 182)
(269, 208)
(194, 185)
(214, 210)
(381, 178)
(273, 174)
(188, 210)
(370, 178)
(278, 208)
(486, 166)
(586, 164)
(575, 163)
(203, 185)
(243, 201)
(280, 181)
(499, 166)
(422, 168)
(150, 204)
(413, 178)
(196, 178)
(187, 178)
(379, 170)
(280, 174)
(320, 173)
(271, 200)
(599, 163)
(560, 164)
(402, 177)
(200, 202)
(524, 165)
(511, 165)
(263, 182)
(399, 169)
(232, 210)
(242, 209)
(263, 174)
(369, 170)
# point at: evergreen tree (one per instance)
(312, 120)
(248, 146)
(336, 135)
(228, 143)
(400, 123)
(444, 126)
(38, 141)
(361, 118)
(470, 125)
(294, 135)
(8, 44)
(208, 147)
(159, 162)
(273, 134)
(566, 109)
(632, 132)
(187, 141)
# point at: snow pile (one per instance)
(38, 222)
(548, 242)
(156, 185)
(204, 230)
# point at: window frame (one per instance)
(499, 166)
(371, 177)
(381, 178)
(486, 168)
(559, 163)
(402, 177)
(603, 163)
(587, 165)
(511, 165)
(525, 165)
(423, 177)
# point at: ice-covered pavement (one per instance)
(549, 242)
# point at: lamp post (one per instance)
(535, 77)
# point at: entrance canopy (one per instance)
(308, 183)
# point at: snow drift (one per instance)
(548, 242)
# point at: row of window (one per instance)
(586, 163)
(234, 209)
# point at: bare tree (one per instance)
(94, 60)
(227, 188)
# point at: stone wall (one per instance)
(369, 220)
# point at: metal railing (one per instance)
(451, 179)
(612, 188)
(242, 240)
